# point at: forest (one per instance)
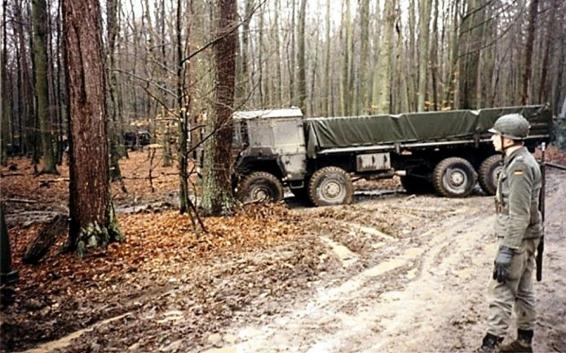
(111, 216)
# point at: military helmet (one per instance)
(512, 126)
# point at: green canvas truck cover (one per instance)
(342, 132)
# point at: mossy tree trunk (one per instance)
(217, 186)
(92, 221)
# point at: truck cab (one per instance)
(270, 150)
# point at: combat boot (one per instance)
(523, 343)
(490, 344)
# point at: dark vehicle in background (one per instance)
(138, 139)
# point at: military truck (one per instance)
(317, 158)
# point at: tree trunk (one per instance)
(347, 44)
(363, 79)
(114, 130)
(544, 87)
(182, 106)
(92, 220)
(471, 34)
(450, 92)
(424, 31)
(39, 21)
(217, 193)
(301, 65)
(277, 44)
(5, 114)
(384, 76)
(292, 57)
(533, 12)
(328, 101)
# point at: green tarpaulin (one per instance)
(325, 133)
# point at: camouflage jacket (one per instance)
(517, 199)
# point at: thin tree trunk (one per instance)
(434, 58)
(347, 43)
(533, 12)
(5, 114)
(544, 87)
(113, 131)
(183, 118)
(39, 20)
(327, 79)
(301, 62)
(384, 75)
(424, 39)
(292, 57)
(363, 79)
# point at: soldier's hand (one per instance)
(502, 262)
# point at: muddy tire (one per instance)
(416, 185)
(489, 172)
(330, 186)
(260, 187)
(454, 177)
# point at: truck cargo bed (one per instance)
(415, 129)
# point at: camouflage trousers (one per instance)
(517, 292)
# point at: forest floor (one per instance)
(391, 272)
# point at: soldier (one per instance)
(518, 228)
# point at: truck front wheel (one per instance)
(260, 187)
(330, 186)
(454, 177)
(489, 173)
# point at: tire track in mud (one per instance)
(370, 311)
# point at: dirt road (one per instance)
(390, 273)
(422, 289)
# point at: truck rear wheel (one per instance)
(489, 173)
(330, 186)
(260, 187)
(454, 177)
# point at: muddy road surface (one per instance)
(390, 273)
(421, 288)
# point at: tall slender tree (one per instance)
(424, 31)
(5, 113)
(363, 105)
(533, 13)
(301, 62)
(39, 20)
(114, 126)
